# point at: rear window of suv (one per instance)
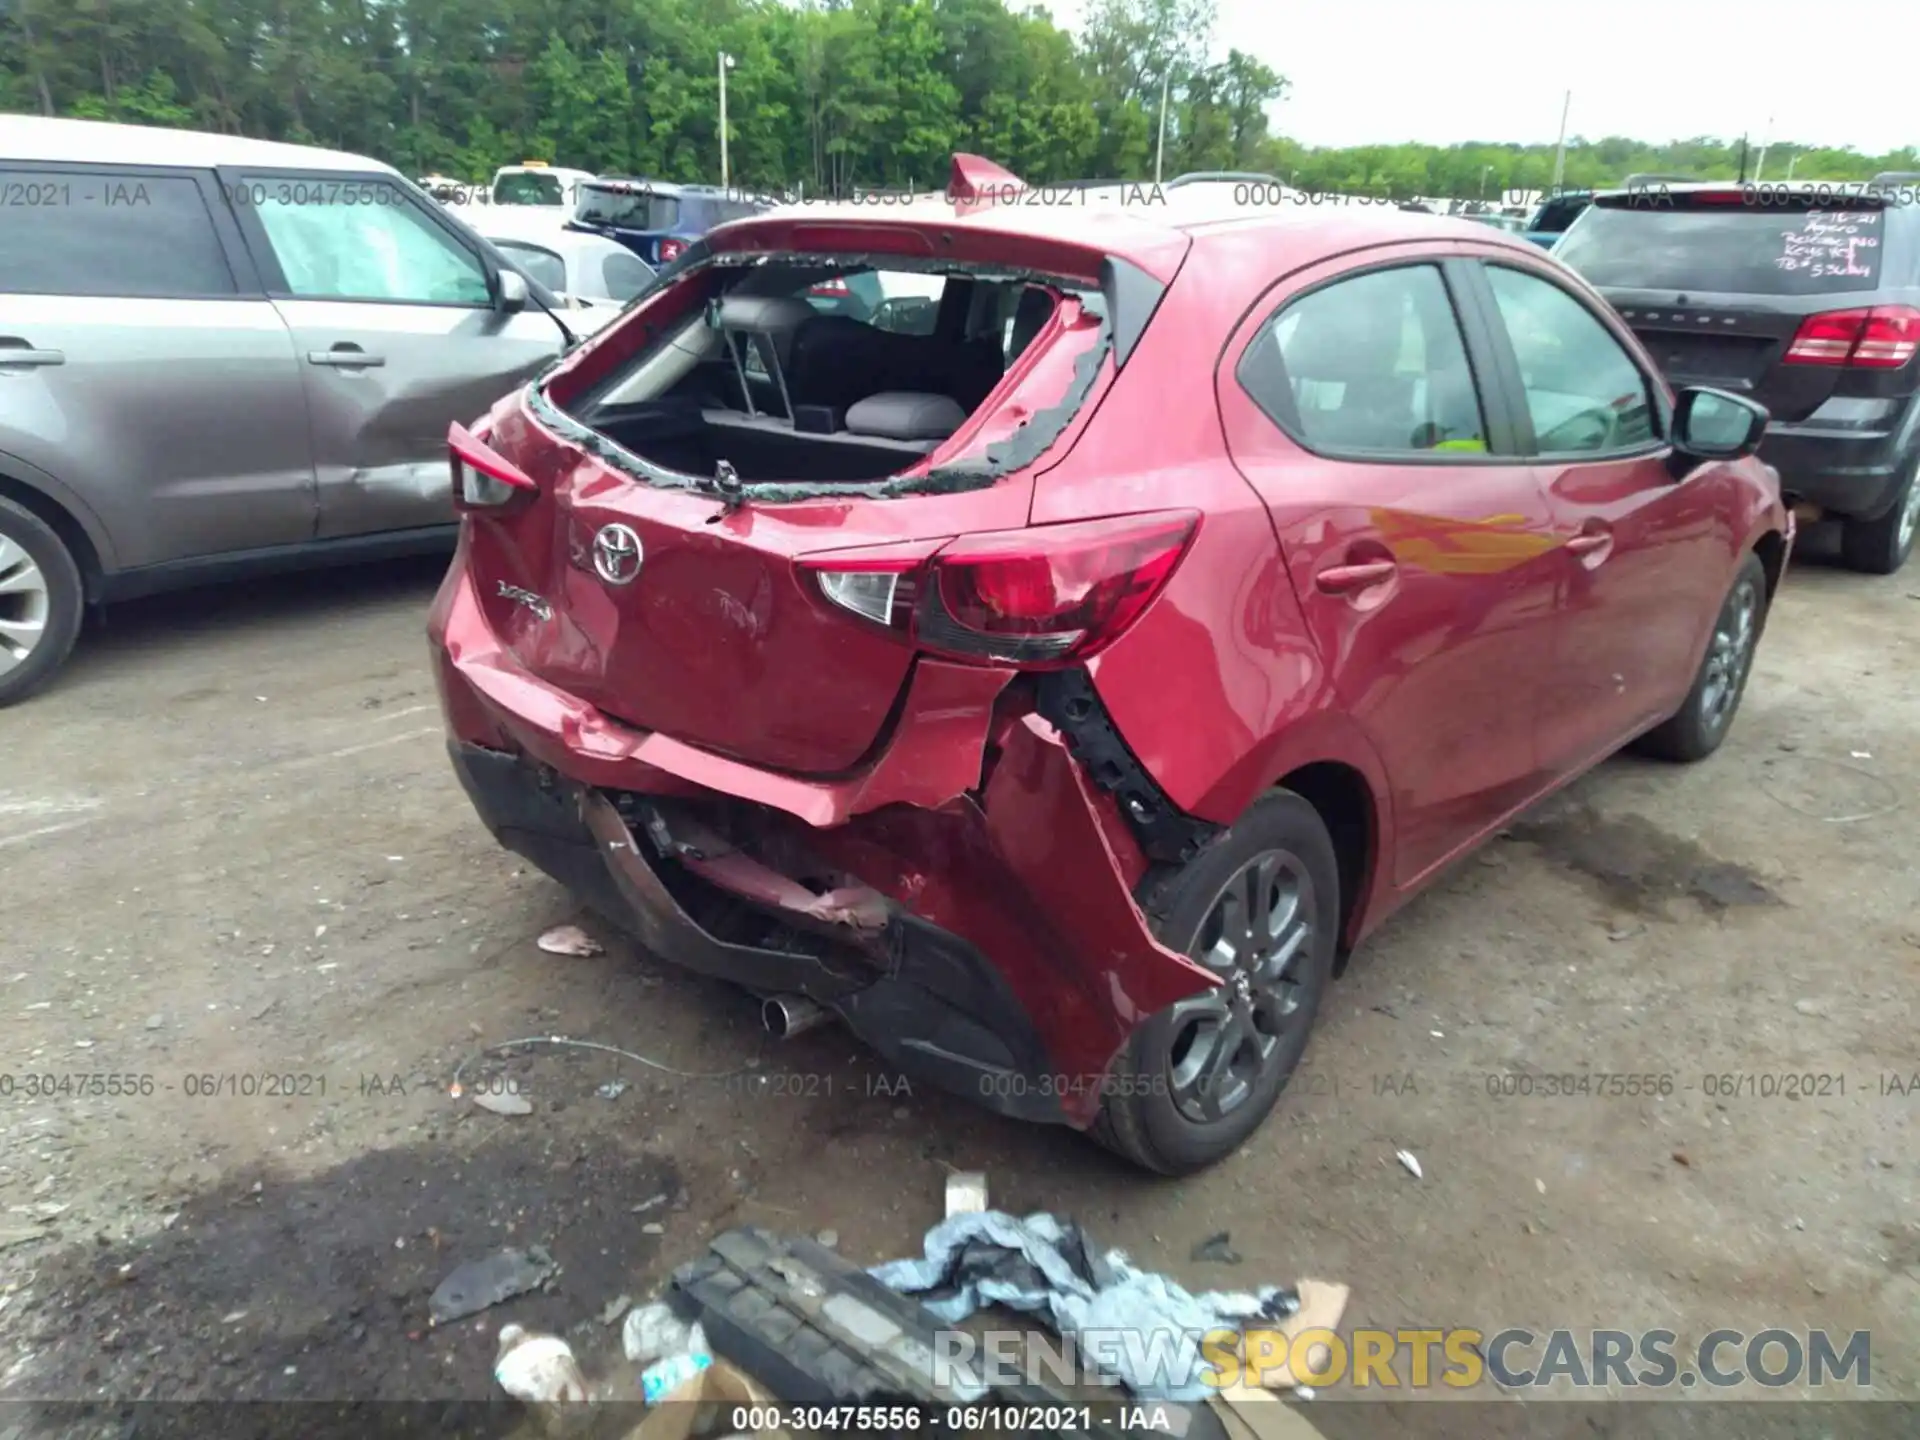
(628, 209)
(1746, 249)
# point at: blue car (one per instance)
(656, 219)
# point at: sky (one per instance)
(1377, 72)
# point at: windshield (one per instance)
(627, 209)
(539, 264)
(528, 187)
(1732, 250)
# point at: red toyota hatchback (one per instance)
(1054, 675)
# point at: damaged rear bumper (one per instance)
(971, 922)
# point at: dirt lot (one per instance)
(235, 861)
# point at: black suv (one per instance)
(1804, 297)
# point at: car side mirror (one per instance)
(1710, 424)
(510, 292)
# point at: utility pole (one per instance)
(1760, 165)
(726, 64)
(1160, 150)
(1743, 159)
(1560, 150)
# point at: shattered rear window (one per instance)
(792, 377)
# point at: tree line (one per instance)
(827, 94)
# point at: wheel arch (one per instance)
(1345, 801)
(65, 514)
(1771, 547)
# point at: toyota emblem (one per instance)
(617, 554)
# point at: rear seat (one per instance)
(839, 361)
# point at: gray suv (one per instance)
(223, 356)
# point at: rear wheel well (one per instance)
(72, 534)
(1341, 797)
(1772, 550)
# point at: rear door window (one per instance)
(624, 275)
(1739, 248)
(1372, 363)
(103, 232)
(539, 263)
(1585, 394)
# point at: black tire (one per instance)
(1695, 730)
(1881, 547)
(26, 539)
(1147, 1117)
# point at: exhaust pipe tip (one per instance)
(786, 1016)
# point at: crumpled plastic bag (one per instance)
(1042, 1266)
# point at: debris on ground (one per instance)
(478, 1284)
(1217, 1250)
(570, 940)
(966, 1192)
(646, 1205)
(670, 1372)
(503, 1102)
(612, 1090)
(538, 1369)
(652, 1332)
(1680, 1158)
(611, 1312)
(1412, 1164)
(1042, 1266)
(830, 1239)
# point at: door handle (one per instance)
(15, 351)
(346, 357)
(1346, 579)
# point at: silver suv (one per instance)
(222, 356)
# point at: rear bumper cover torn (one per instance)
(981, 936)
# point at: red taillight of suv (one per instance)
(671, 250)
(833, 287)
(1038, 598)
(1882, 338)
(483, 479)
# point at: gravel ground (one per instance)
(240, 877)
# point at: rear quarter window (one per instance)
(1738, 249)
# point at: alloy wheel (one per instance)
(1729, 655)
(1909, 517)
(1258, 936)
(26, 603)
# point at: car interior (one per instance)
(778, 390)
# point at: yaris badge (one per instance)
(617, 554)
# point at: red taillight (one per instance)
(1718, 197)
(836, 286)
(483, 479)
(671, 250)
(1882, 338)
(1037, 598)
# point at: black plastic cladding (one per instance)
(1067, 701)
(1125, 286)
